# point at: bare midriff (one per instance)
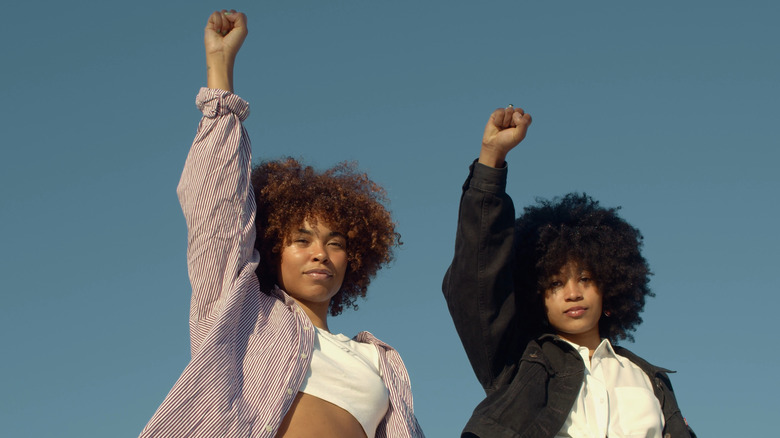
(310, 416)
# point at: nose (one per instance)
(572, 290)
(319, 253)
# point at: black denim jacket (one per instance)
(531, 381)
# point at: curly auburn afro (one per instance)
(576, 228)
(288, 193)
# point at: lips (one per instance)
(575, 312)
(318, 274)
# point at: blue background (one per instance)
(669, 109)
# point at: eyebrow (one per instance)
(311, 233)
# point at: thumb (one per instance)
(237, 19)
(521, 119)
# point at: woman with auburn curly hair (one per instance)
(288, 193)
(272, 251)
(538, 302)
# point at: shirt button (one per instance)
(304, 355)
(289, 391)
(268, 428)
(306, 327)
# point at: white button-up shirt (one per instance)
(616, 399)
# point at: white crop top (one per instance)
(346, 373)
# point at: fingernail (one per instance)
(228, 13)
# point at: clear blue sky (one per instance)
(669, 109)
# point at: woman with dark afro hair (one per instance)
(538, 303)
(273, 250)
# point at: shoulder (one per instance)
(649, 368)
(558, 356)
(368, 338)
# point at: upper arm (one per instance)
(218, 204)
(478, 285)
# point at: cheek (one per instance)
(342, 269)
(283, 261)
(340, 261)
(598, 299)
(547, 303)
(288, 261)
(280, 267)
(548, 315)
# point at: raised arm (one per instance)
(478, 284)
(215, 191)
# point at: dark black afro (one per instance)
(576, 228)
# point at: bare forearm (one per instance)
(219, 72)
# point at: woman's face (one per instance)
(573, 303)
(313, 265)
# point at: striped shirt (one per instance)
(250, 349)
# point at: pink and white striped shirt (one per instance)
(250, 349)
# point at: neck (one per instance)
(317, 313)
(589, 340)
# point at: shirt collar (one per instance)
(284, 296)
(603, 350)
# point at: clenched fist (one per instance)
(504, 130)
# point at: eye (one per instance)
(300, 241)
(555, 284)
(337, 244)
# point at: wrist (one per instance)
(491, 157)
